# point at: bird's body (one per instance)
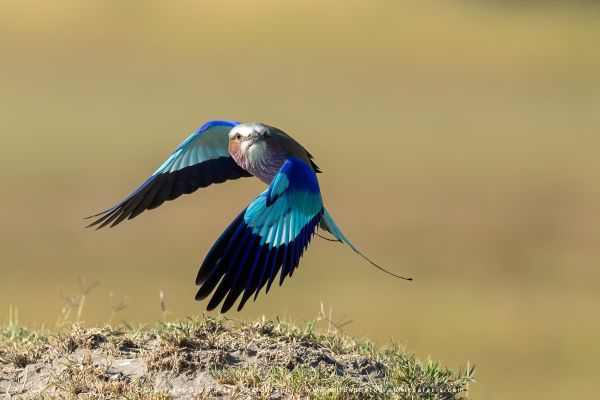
(271, 234)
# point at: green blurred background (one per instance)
(459, 141)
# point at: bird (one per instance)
(270, 236)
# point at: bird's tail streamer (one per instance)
(330, 226)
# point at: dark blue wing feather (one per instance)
(271, 234)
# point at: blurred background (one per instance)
(459, 141)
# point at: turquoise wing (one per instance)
(201, 160)
(269, 236)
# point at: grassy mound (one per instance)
(214, 358)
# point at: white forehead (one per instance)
(247, 128)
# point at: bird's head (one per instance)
(249, 140)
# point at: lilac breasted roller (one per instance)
(268, 236)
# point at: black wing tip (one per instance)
(226, 306)
(106, 220)
(94, 223)
(213, 306)
(315, 167)
(100, 214)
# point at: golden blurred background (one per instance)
(459, 141)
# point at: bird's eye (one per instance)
(238, 136)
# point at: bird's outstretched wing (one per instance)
(271, 234)
(201, 160)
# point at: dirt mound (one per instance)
(213, 358)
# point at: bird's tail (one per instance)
(330, 226)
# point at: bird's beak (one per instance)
(254, 136)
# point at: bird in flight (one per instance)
(271, 234)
